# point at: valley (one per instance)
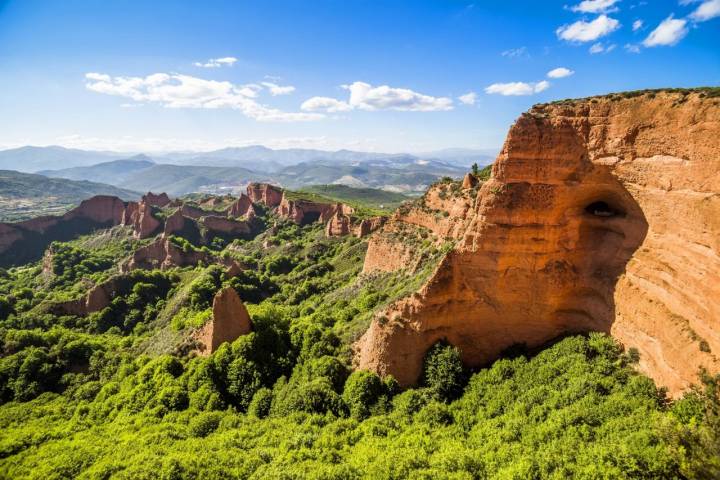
(550, 316)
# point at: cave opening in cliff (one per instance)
(603, 209)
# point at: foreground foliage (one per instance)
(112, 394)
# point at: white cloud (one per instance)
(669, 32)
(97, 76)
(595, 6)
(325, 104)
(602, 48)
(637, 25)
(632, 48)
(515, 52)
(707, 10)
(276, 89)
(184, 91)
(517, 88)
(468, 99)
(217, 62)
(582, 31)
(366, 97)
(560, 72)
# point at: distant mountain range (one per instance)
(257, 158)
(230, 169)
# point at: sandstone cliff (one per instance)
(602, 214)
(265, 193)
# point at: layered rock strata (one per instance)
(601, 215)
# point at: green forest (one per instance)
(117, 394)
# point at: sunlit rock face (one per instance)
(602, 215)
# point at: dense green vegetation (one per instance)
(119, 393)
(24, 195)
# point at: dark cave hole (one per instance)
(603, 209)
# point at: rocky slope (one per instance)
(601, 214)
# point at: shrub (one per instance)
(443, 372)
(204, 424)
(362, 391)
(261, 403)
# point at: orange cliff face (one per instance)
(602, 215)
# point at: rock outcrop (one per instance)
(268, 195)
(601, 214)
(469, 181)
(164, 254)
(97, 298)
(241, 207)
(303, 211)
(25, 241)
(230, 320)
(338, 225)
(140, 217)
(154, 200)
(226, 226)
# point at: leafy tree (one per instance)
(443, 372)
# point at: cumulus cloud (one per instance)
(707, 10)
(276, 89)
(637, 25)
(632, 48)
(184, 91)
(217, 62)
(582, 31)
(366, 97)
(325, 104)
(468, 99)
(517, 88)
(669, 32)
(560, 72)
(595, 6)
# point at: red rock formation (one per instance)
(386, 254)
(140, 217)
(602, 214)
(338, 225)
(193, 212)
(97, 212)
(96, 299)
(164, 254)
(368, 226)
(268, 195)
(156, 200)
(230, 320)
(469, 181)
(303, 211)
(100, 208)
(241, 207)
(174, 223)
(226, 226)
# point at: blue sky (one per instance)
(366, 75)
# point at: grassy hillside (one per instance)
(25, 195)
